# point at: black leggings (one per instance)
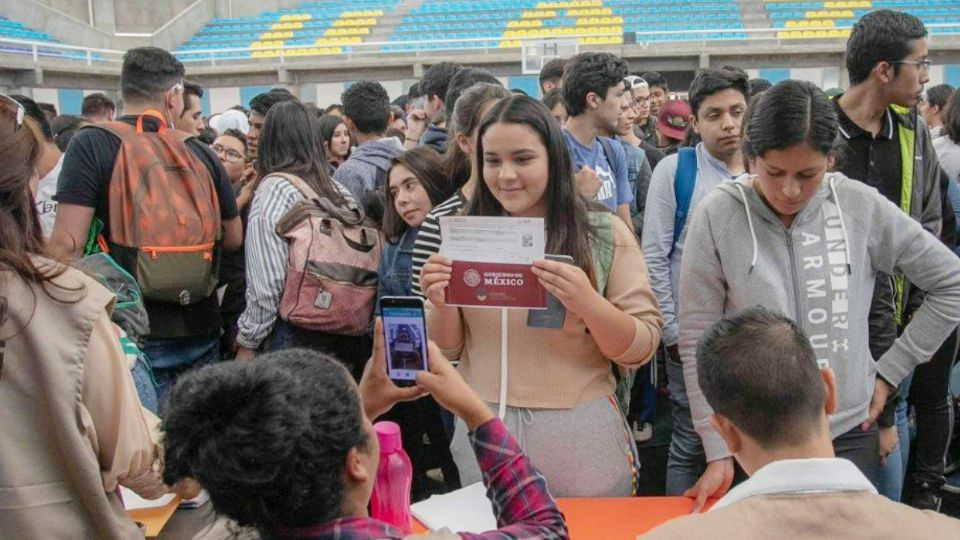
(930, 397)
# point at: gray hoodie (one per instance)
(366, 169)
(821, 273)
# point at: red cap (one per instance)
(388, 433)
(673, 119)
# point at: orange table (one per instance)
(154, 519)
(614, 519)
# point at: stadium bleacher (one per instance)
(15, 30)
(833, 19)
(498, 23)
(311, 28)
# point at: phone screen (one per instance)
(404, 337)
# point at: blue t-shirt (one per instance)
(616, 188)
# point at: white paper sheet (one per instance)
(492, 239)
(132, 501)
(463, 510)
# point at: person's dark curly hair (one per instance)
(590, 72)
(367, 104)
(268, 439)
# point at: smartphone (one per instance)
(404, 338)
(553, 316)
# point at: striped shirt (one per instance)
(429, 238)
(266, 257)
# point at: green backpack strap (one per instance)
(93, 244)
(602, 248)
(602, 252)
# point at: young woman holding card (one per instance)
(559, 382)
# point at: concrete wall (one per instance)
(65, 21)
(74, 8)
(61, 25)
(146, 15)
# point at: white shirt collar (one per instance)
(54, 173)
(820, 475)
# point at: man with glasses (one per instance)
(230, 148)
(645, 126)
(885, 144)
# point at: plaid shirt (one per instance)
(524, 508)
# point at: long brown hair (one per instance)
(20, 235)
(290, 143)
(424, 162)
(569, 231)
(465, 119)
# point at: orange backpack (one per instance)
(164, 213)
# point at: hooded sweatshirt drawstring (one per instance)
(843, 226)
(753, 234)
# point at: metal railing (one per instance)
(44, 49)
(239, 55)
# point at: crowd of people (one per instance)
(192, 302)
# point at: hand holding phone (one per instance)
(405, 337)
(377, 392)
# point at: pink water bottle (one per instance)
(390, 502)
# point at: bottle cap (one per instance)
(388, 433)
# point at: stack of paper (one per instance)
(463, 510)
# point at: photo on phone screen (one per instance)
(404, 337)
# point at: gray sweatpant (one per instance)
(586, 451)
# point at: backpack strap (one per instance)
(601, 249)
(615, 164)
(302, 186)
(683, 183)
(349, 214)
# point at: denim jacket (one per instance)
(395, 274)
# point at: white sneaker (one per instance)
(642, 432)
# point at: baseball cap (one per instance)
(673, 119)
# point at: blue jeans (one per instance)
(145, 384)
(171, 358)
(686, 460)
(890, 480)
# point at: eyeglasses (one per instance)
(18, 111)
(922, 65)
(229, 155)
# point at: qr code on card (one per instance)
(526, 240)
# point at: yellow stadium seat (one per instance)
(791, 24)
(510, 33)
(569, 31)
(796, 34)
(809, 33)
